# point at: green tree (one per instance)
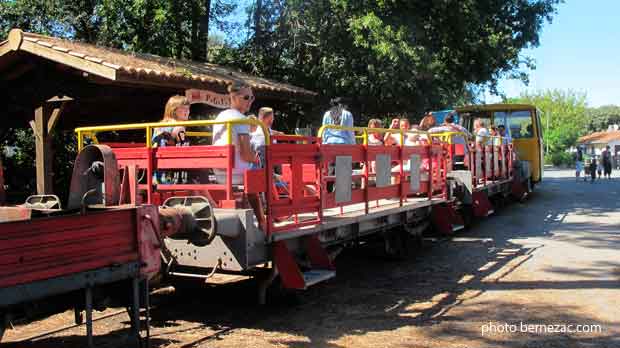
(391, 56)
(563, 117)
(600, 118)
(171, 28)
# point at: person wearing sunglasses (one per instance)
(241, 98)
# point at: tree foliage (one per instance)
(602, 117)
(392, 56)
(389, 57)
(169, 28)
(563, 116)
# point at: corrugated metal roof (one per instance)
(141, 68)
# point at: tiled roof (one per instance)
(599, 137)
(141, 68)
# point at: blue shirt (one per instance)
(337, 136)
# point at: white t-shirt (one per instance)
(482, 136)
(257, 139)
(220, 138)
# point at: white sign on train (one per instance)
(221, 101)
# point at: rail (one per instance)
(300, 195)
(367, 131)
(149, 127)
(136, 157)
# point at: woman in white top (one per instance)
(481, 132)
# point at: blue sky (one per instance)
(579, 50)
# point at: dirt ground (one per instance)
(554, 260)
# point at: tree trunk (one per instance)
(258, 12)
(204, 28)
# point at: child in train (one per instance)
(176, 110)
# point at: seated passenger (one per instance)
(392, 139)
(413, 138)
(241, 98)
(257, 138)
(481, 132)
(338, 115)
(375, 138)
(427, 122)
(266, 116)
(503, 132)
(495, 136)
(176, 110)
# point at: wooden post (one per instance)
(45, 118)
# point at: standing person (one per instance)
(241, 98)
(448, 125)
(579, 164)
(592, 168)
(338, 115)
(599, 168)
(606, 157)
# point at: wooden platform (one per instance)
(355, 213)
(492, 186)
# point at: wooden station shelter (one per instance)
(48, 83)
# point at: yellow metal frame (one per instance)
(198, 134)
(149, 127)
(447, 136)
(366, 131)
(530, 149)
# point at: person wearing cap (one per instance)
(338, 115)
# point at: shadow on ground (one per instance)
(372, 295)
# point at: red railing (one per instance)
(302, 191)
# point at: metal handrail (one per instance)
(149, 127)
(366, 131)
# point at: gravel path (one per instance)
(552, 262)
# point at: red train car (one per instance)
(326, 196)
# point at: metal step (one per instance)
(316, 276)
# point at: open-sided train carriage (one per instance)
(326, 196)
